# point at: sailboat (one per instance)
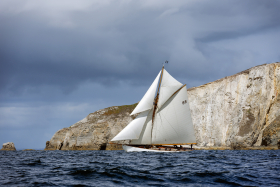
(164, 122)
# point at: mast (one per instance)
(156, 101)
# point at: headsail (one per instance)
(133, 129)
(146, 102)
(146, 134)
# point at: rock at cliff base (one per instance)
(114, 147)
(9, 146)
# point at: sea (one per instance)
(118, 168)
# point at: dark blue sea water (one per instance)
(118, 168)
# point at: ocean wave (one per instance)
(118, 168)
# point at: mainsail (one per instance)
(173, 122)
(165, 119)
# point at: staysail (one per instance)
(133, 129)
(145, 136)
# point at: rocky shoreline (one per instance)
(94, 131)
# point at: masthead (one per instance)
(166, 62)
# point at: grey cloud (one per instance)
(115, 44)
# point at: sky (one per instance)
(61, 60)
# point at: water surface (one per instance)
(118, 168)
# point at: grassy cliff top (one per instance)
(111, 112)
(116, 110)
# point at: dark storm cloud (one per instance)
(34, 54)
(241, 19)
(121, 42)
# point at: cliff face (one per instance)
(94, 131)
(243, 110)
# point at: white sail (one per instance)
(173, 122)
(146, 102)
(146, 134)
(168, 86)
(133, 129)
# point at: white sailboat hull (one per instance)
(128, 148)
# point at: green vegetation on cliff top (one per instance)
(120, 109)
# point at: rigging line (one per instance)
(177, 91)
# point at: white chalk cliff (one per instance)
(243, 108)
